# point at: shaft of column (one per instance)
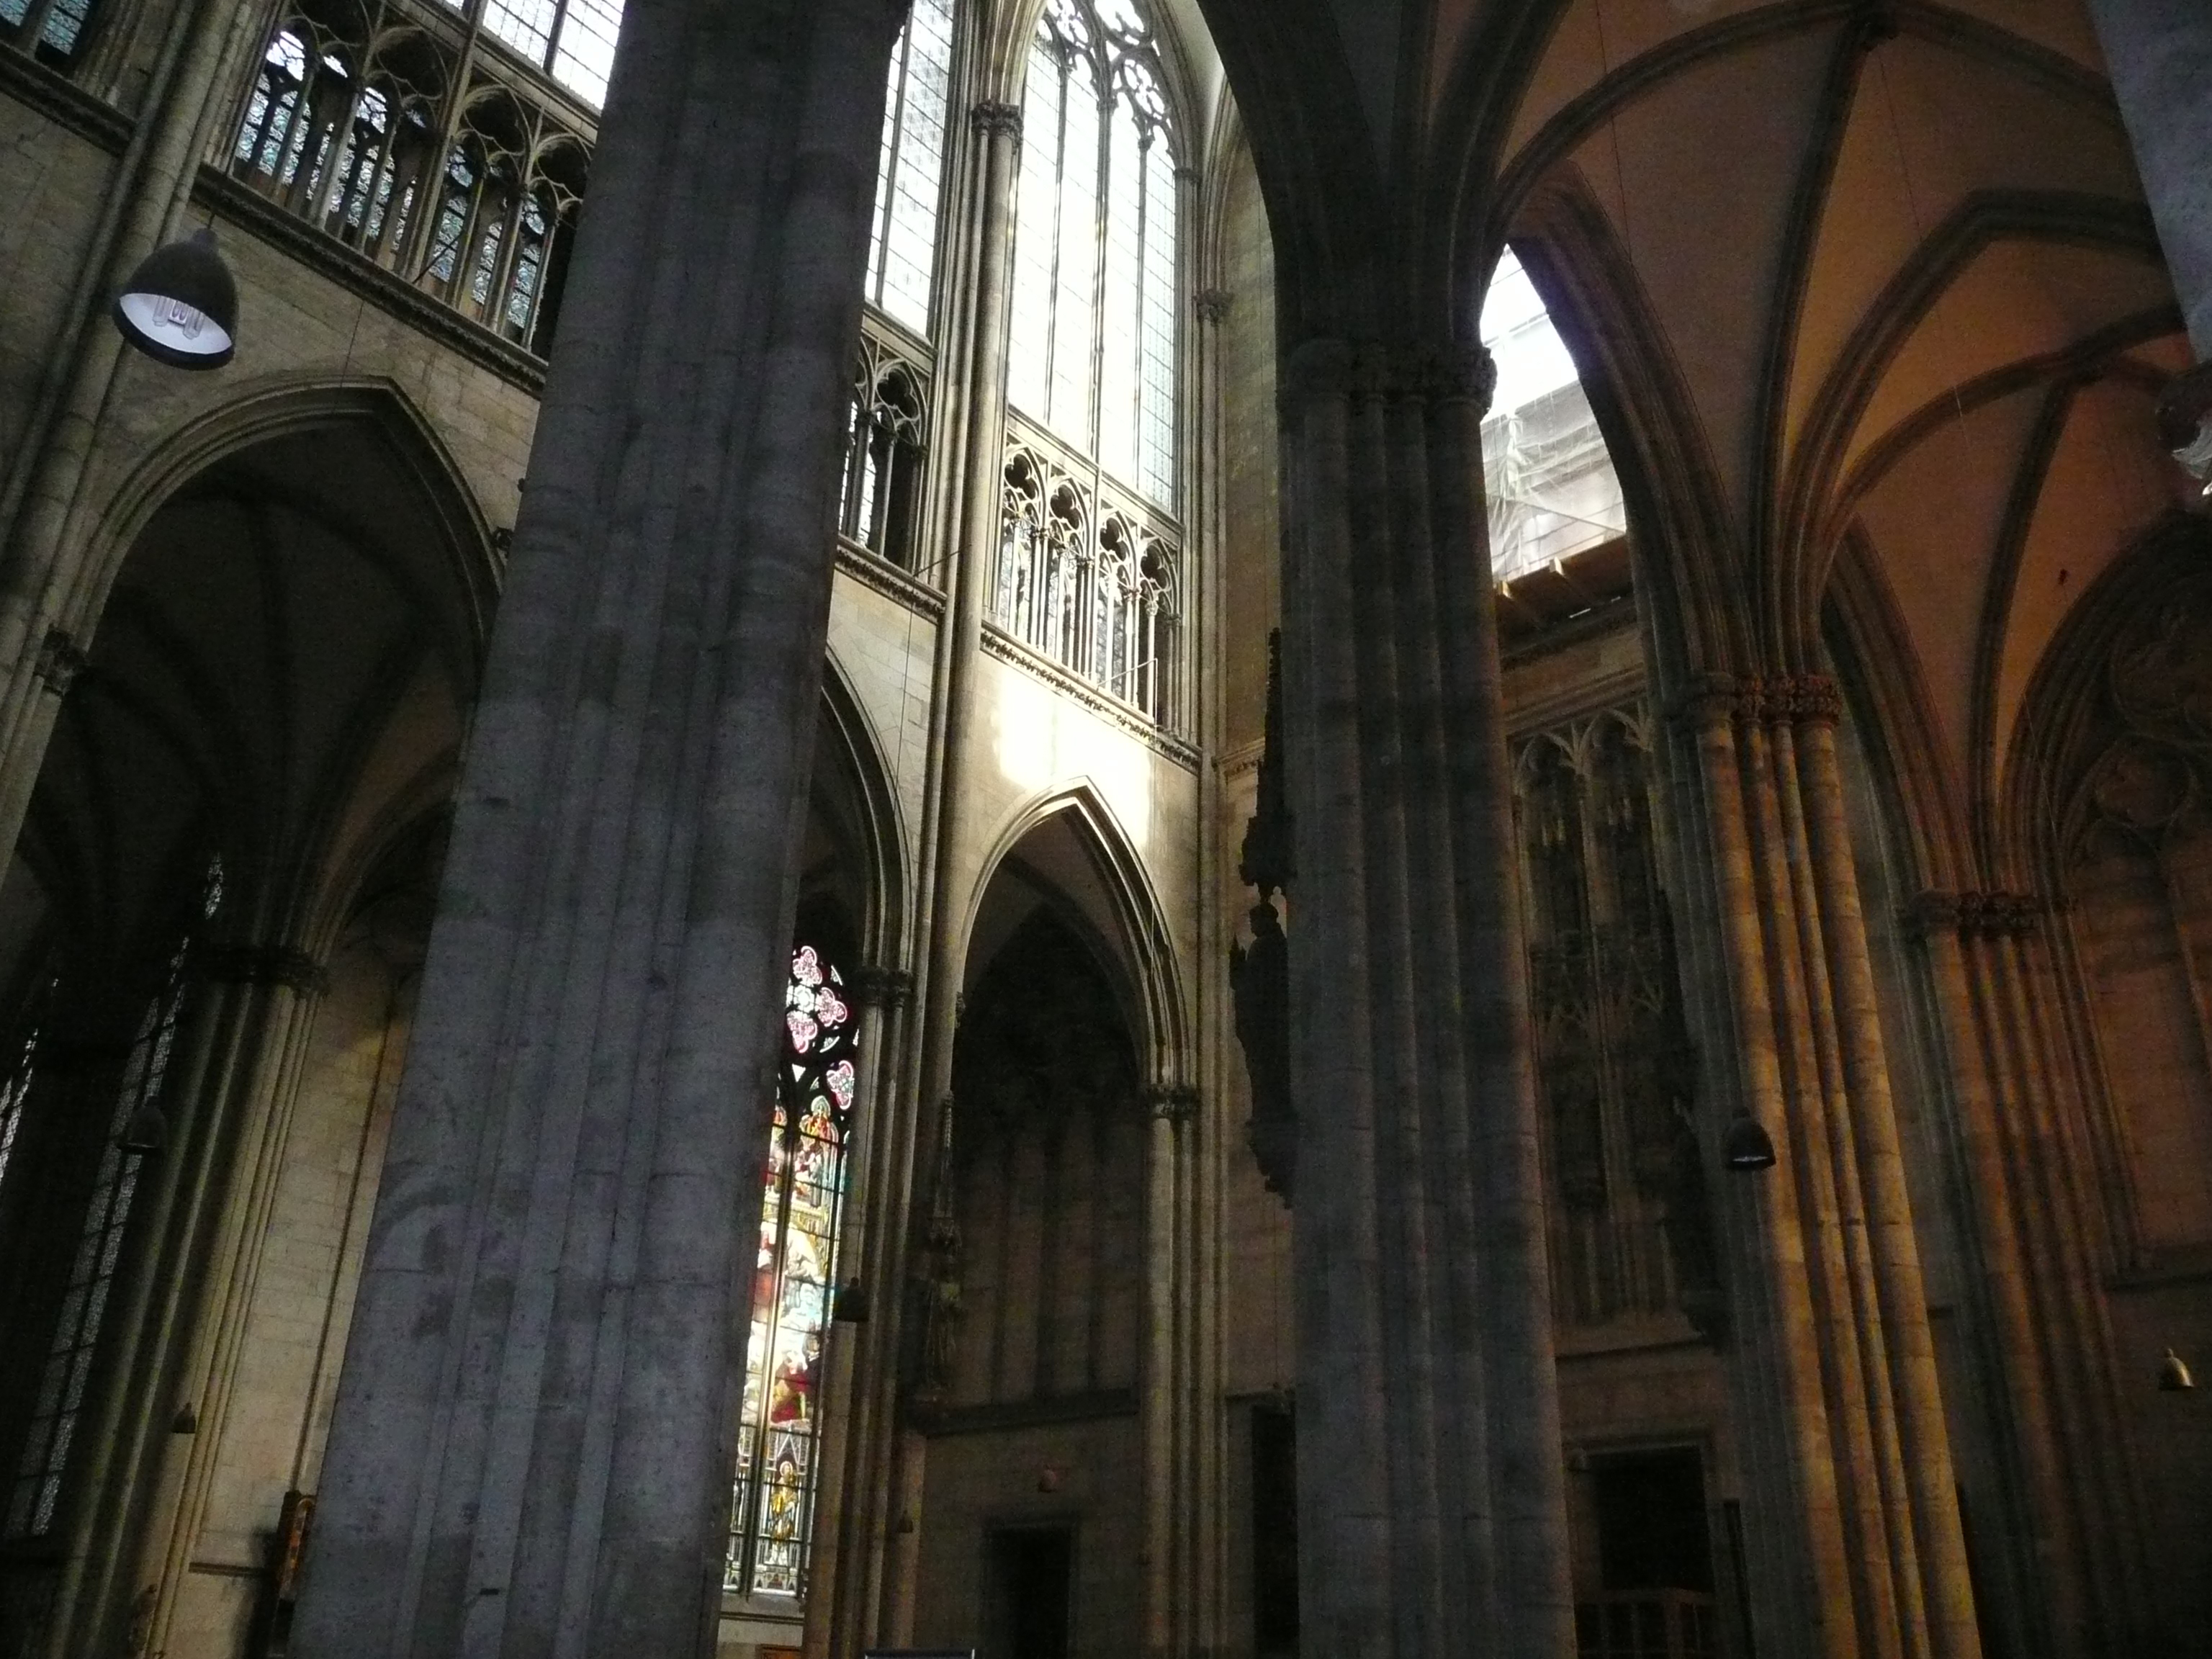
(893, 1485)
(533, 1439)
(1800, 1561)
(1902, 1299)
(1431, 1498)
(2049, 1557)
(2160, 55)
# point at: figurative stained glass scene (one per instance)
(772, 1509)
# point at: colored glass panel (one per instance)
(772, 1508)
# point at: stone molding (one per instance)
(1374, 370)
(993, 119)
(1172, 1103)
(1975, 915)
(264, 964)
(874, 986)
(998, 643)
(887, 579)
(1717, 699)
(1213, 305)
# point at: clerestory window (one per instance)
(1094, 346)
(910, 178)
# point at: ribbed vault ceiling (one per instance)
(1888, 262)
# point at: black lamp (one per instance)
(1744, 1146)
(145, 1131)
(180, 305)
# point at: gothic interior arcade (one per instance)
(1207, 828)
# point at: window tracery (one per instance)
(1095, 321)
(1092, 585)
(50, 30)
(1614, 1075)
(884, 448)
(345, 125)
(772, 1509)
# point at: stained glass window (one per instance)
(772, 1512)
(57, 24)
(1094, 345)
(903, 237)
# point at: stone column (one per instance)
(1989, 957)
(1858, 1547)
(2160, 55)
(535, 1430)
(948, 862)
(1431, 1497)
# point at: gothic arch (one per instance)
(1678, 522)
(1136, 927)
(859, 793)
(274, 409)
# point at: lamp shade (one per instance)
(180, 305)
(1744, 1146)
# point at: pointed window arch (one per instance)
(1094, 347)
(772, 1510)
(1552, 489)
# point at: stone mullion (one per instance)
(1520, 1543)
(1381, 538)
(1884, 1494)
(2054, 1554)
(1821, 1197)
(1777, 1386)
(1911, 1387)
(540, 1391)
(1345, 1543)
(2086, 1345)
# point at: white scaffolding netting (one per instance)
(1552, 489)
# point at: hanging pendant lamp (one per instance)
(180, 305)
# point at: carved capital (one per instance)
(264, 964)
(881, 988)
(1314, 371)
(1710, 701)
(996, 120)
(60, 661)
(1805, 699)
(1933, 914)
(1172, 1103)
(1213, 306)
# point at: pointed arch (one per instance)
(278, 409)
(861, 793)
(1148, 964)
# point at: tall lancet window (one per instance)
(1095, 314)
(909, 181)
(772, 1514)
